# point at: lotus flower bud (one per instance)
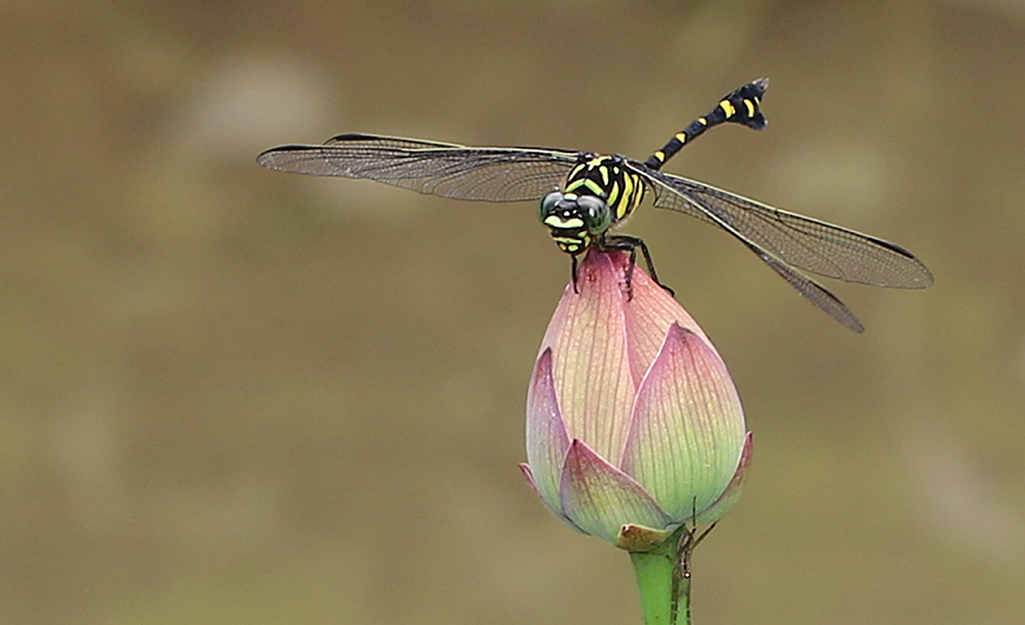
(634, 426)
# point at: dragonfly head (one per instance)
(575, 220)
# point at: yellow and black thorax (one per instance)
(599, 192)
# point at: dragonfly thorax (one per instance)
(575, 220)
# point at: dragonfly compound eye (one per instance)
(595, 213)
(549, 205)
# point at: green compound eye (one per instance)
(595, 213)
(549, 204)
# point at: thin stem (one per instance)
(654, 573)
(663, 580)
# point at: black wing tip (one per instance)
(351, 136)
(267, 158)
(925, 278)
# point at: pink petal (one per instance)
(547, 441)
(688, 426)
(648, 316)
(588, 342)
(600, 499)
(529, 476)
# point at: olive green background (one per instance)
(230, 395)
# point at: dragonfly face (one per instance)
(575, 220)
(598, 193)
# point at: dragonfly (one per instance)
(585, 195)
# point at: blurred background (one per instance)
(230, 395)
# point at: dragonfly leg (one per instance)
(573, 270)
(631, 244)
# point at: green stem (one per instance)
(664, 582)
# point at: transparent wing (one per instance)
(445, 169)
(816, 246)
(813, 291)
(678, 194)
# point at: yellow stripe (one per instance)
(576, 184)
(638, 193)
(639, 196)
(593, 186)
(571, 246)
(624, 207)
(681, 137)
(702, 121)
(554, 221)
(750, 107)
(661, 156)
(614, 193)
(728, 108)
